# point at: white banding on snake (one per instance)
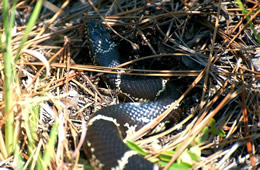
(108, 127)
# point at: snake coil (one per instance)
(107, 128)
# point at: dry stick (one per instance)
(241, 21)
(198, 123)
(67, 59)
(247, 130)
(53, 8)
(82, 137)
(56, 85)
(130, 11)
(202, 103)
(161, 73)
(88, 91)
(60, 71)
(164, 9)
(244, 111)
(100, 97)
(146, 41)
(151, 56)
(233, 39)
(230, 43)
(71, 76)
(63, 114)
(228, 141)
(216, 97)
(207, 70)
(148, 18)
(208, 106)
(110, 8)
(60, 11)
(185, 144)
(2, 122)
(193, 133)
(3, 150)
(49, 61)
(68, 63)
(153, 123)
(239, 32)
(164, 73)
(164, 133)
(257, 73)
(44, 37)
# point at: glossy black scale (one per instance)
(106, 54)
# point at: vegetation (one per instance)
(50, 86)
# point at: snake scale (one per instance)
(107, 128)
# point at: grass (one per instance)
(48, 98)
(9, 70)
(11, 82)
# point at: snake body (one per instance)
(107, 128)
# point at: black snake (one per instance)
(108, 127)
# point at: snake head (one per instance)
(104, 48)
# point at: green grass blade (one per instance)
(9, 72)
(251, 25)
(48, 154)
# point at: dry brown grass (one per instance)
(215, 35)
